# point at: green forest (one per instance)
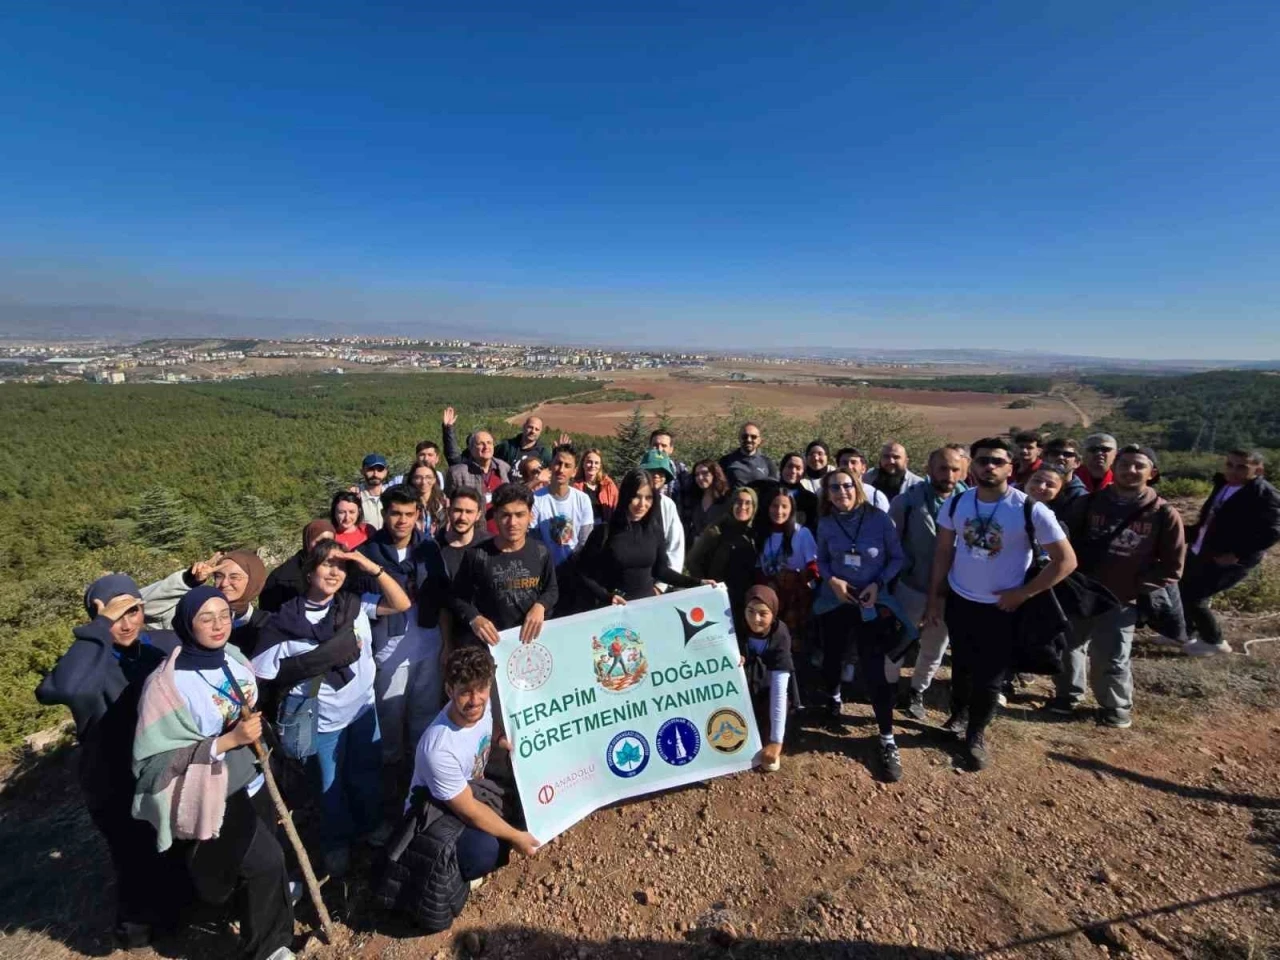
(147, 478)
(960, 383)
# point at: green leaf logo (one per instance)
(628, 755)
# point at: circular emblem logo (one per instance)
(726, 731)
(619, 660)
(628, 754)
(678, 741)
(546, 793)
(529, 666)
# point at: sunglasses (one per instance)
(1066, 454)
(839, 486)
(751, 436)
(991, 461)
(1103, 449)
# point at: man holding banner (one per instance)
(621, 702)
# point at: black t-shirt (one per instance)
(628, 562)
(503, 586)
(453, 555)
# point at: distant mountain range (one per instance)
(95, 321)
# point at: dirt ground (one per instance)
(1079, 842)
(963, 415)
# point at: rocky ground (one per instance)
(1159, 841)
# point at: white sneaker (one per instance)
(296, 889)
(476, 884)
(284, 953)
(1001, 700)
(1198, 648)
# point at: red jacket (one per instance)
(1091, 484)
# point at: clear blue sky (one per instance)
(1093, 177)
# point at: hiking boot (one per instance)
(1061, 706)
(890, 762)
(1118, 719)
(975, 752)
(337, 862)
(1198, 648)
(1001, 700)
(378, 837)
(957, 723)
(915, 706)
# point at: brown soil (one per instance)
(1157, 842)
(964, 415)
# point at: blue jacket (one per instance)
(879, 549)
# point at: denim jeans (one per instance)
(409, 695)
(478, 853)
(347, 767)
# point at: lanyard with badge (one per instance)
(980, 549)
(852, 558)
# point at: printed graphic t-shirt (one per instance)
(448, 756)
(563, 525)
(992, 550)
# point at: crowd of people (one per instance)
(363, 657)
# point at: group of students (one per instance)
(366, 649)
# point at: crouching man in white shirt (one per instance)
(452, 754)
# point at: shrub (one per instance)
(1184, 487)
(1259, 592)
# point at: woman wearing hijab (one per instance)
(628, 556)
(346, 513)
(791, 478)
(288, 580)
(199, 784)
(434, 514)
(100, 679)
(317, 651)
(239, 575)
(817, 464)
(726, 552)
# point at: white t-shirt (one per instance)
(449, 757)
(992, 550)
(213, 702)
(876, 498)
(337, 707)
(1225, 494)
(563, 525)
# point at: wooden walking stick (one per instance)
(308, 875)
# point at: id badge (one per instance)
(853, 560)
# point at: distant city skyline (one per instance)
(1086, 179)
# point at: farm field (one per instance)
(963, 416)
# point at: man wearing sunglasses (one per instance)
(1064, 453)
(1099, 455)
(979, 579)
(747, 464)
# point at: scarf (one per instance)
(381, 551)
(191, 655)
(313, 531)
(334, 636)
(249, 562)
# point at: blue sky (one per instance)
(1076, 176)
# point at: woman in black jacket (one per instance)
(726, 552)
(288, 580)
(100, 679)
(628, 555)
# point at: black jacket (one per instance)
(283, 584)
(102, 692)
(420, 877)
(1247, 525)
(421, 573)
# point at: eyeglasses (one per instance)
(232, 578)
(839, 486)
(1101, 449)
(992, 461)
(213, 619)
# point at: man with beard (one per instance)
(915, 514)
(1131, 541)
(374, 469)
(747, 464)
(978, 577)
(463, 529)
(524, 444)
(892, 476)
(1100, 454)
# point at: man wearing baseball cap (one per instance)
(374, 469)
(1099, 454)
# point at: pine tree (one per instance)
(242, 522)
(164, 521)
(630, 442)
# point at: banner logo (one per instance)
(618, 656)
(628, 754)
(529, 666)
(678, 741)
(694, 622)
(726, 731)
(546, 794)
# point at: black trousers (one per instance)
(844, 626)
(981, 650)
(246, 861)
(151, 887)
(1200, 581)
